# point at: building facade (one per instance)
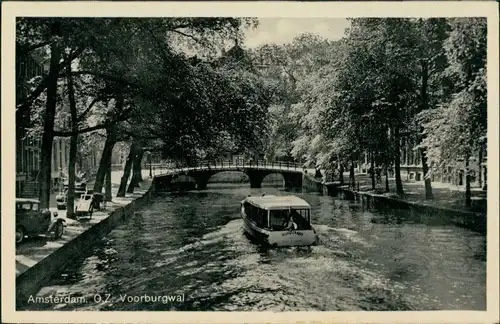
(412, 170)
(28, 148)
(411, 167)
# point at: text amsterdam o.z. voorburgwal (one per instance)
(98, 298)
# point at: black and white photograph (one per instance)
(265, 164)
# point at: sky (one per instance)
(284, 30)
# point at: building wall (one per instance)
(411, 167)
(89, 163)
(60, 157)
(28, 149)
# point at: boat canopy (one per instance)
(271, 202)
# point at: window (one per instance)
(257, 215)
(301, 217)
(278, 218)
(305, 214)
(53, 161)
(29, 162)
(60, 155)
(19, 157)
(36, 163)
(262, 218)
(35, 206)
(25, 157)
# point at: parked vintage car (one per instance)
(31, 221)
(62, 197)
(85, 205)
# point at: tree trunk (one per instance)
(126, 171)
(137, 170)
(397, 163)
(341, 176)
(427, 178)
(80, 167)
(105, 162)
(138, 167)
(468, 200)
(424, 106)
(70, 207)
(107, 187)
(372, 166)
(386, 174)
(111, 137)
(48, 127)
(133, 180)
(485, 184)
(480, 168)
(352, 179)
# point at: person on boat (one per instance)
(291, 225)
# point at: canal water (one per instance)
(191, 246)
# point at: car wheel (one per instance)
(20, 233)
(58, 231)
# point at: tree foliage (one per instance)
(453, 130)
(171, 85)
(137, 80)
(389, 81)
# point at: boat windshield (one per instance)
(279, 219)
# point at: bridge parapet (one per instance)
(168, 168)
(256, 170)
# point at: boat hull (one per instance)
(279, 238)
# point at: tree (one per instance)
(48, 126)
(126, 171)
(380, 75)
(136, 170)
(59, 35)
(285, 67)
(455, 129)
(73, 145)
(101, 47)
(432, 61)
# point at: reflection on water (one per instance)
(192, 244)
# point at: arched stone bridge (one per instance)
(256, 171)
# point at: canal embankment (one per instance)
(448, 200)
(38, 259)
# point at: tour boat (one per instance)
(278, 220)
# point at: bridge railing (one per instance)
(161, 168)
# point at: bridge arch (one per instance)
(183, 182)
(273, 179)
(229, 176)
(255, 176)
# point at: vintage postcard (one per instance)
(170, 162)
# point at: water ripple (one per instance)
(193, 244)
